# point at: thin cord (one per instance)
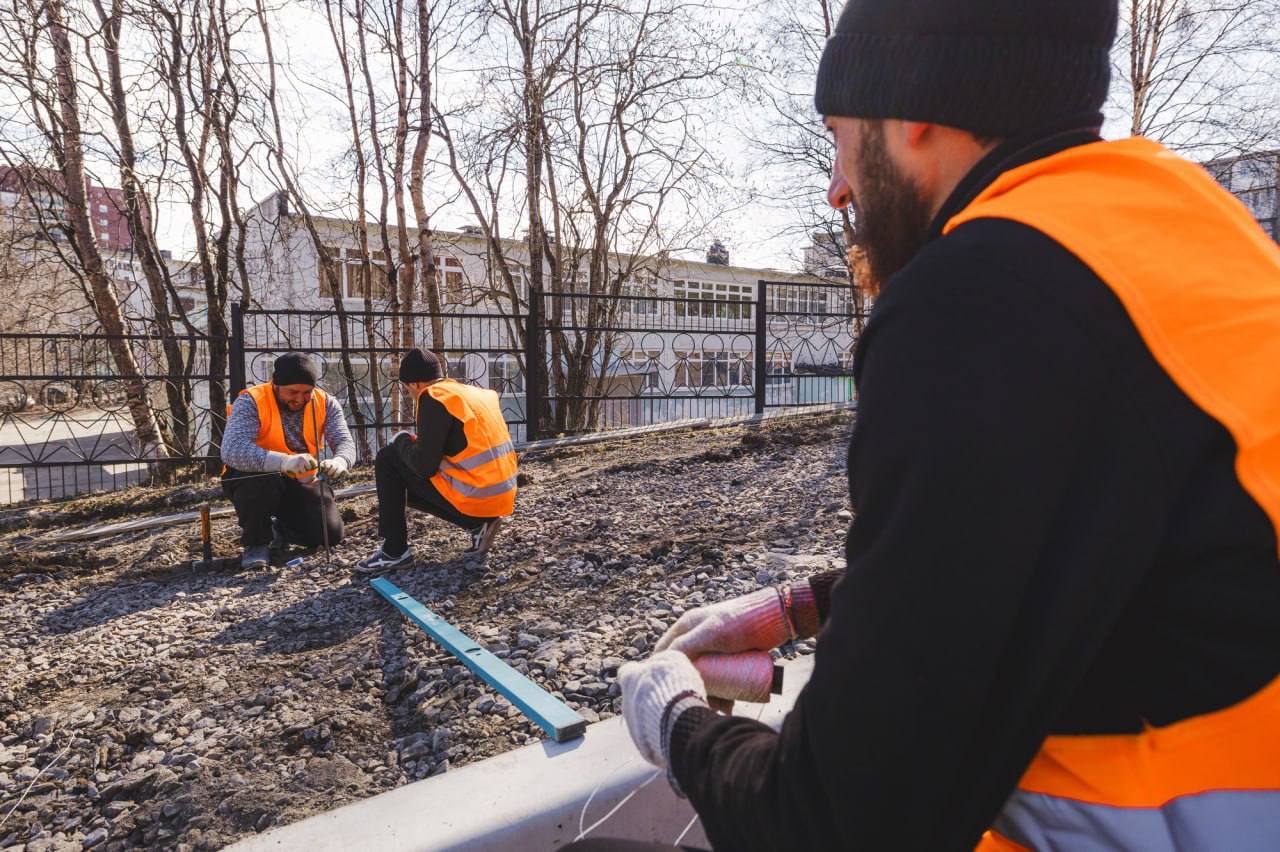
(582, 817)
(47, 766)
(615, 808)
(676, 842)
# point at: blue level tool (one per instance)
(548, 712)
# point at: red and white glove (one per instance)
(654, 694)
(760, 621)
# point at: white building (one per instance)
(678, 341)
(1255, 180)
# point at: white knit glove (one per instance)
(334, 468)
(649, 691)
(754, 622)
(299, 463)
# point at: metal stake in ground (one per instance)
(320, 479)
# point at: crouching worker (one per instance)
(460, 467)
(275, 435)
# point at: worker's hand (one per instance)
(299, 463)
(648, 690)
(334, 468)
(398, 435)
(754, 622)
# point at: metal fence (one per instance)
(566, 363)
(480, 348)
(65, 421)
(619, 361)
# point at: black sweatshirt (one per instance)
(1049, 538)
(440, 434)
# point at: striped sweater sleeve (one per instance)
(337, 435)
(240, 449)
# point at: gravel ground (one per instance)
(176, 709)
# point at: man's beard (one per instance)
(893, 215)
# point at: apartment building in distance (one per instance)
(1255, 180)
(680, 343)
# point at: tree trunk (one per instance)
(105, 304)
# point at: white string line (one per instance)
(47, 766)
(584, 832)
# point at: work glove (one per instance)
(759, 621)
(334, 468)
(299, 463)
(654, 693)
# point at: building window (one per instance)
(1256, 173)
(713, 369)
(504, 375)
(102, 208)
(778, 367)
(450, 278)
(646, 362)
(793, 299)
(103, 222)
(711, 300)
(644, 302)
(349, 270)
(367, 280)
(329, 271)
(498, 282)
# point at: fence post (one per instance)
(762, 327)
(235, 360)
(534, 364)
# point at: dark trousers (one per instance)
(304, 509)
(399, 486)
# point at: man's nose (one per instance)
(839, 195)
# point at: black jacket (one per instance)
(440, 434)
(1049, 537)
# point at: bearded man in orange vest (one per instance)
(275, 436)
(460, 466)
(1058, 627)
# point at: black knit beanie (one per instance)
(996, 68)
(294, 368)
(419, 365)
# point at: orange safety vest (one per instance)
(1201, 282)
(271, 431)
(480, 481)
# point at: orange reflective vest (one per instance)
(271, 431)
(480, 481)
(1201, 282)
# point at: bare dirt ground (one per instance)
(172, 708)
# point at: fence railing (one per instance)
(67, 415)
(564, 363)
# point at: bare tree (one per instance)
(599, 125)
(1200, 75)
(54, 109)
(793, 153)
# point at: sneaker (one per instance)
(279, 540)
(380, 560)
(482, 537)
(255, 557)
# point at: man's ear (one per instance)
(916, 133)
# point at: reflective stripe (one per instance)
(487, 491)
(473, 462)
(1238, 820)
